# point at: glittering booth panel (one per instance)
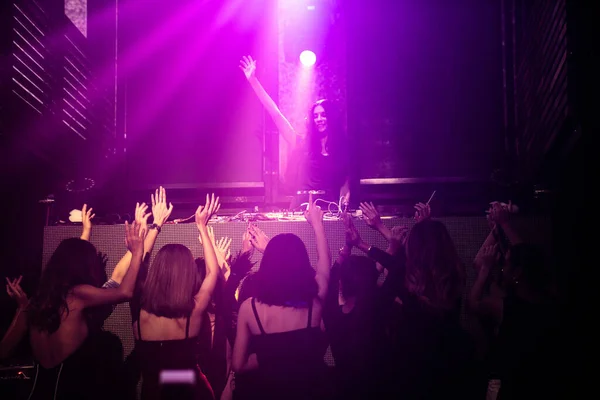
(468, 234)
(299, 87)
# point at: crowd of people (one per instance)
(222, 327)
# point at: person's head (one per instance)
(172, 282)
(323, 120)
(525, 263)
(285, 276)
(74, 262)
(358, 276)
(434, 271)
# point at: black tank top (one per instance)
(290, 364)
(157, 355)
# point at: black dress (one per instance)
(290, 364)
(93, 371)
(157, 355)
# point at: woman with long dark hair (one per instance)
(318, 159)
(168, 310)
(431, 356)
(279, 335)
(69, 362)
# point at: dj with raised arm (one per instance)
(319, 160)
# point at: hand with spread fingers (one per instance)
(134, 238)
(248, 66)
(258, 238)
(205, 212)
(371, 215)
(141, 216)
(221, 246)
(160, 211)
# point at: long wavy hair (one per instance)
(74, 262)
(336, 142)
(172, 282)
(434, 272)
(285, 276)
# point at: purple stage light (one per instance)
(308, 58)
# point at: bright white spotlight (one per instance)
(308, 58)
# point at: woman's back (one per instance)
(74, 361)
(289, 345)
(157, 328)
(51, 349)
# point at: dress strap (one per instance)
(256, 316)
(310, 307)
(187, 327)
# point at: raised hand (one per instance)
(258, 238)
(14, 290)
(221, 246)
(223, 249)
(399, 237)
(134, 238)
(204, 213)
(160, 211)
(86, 217)
(247, 247)
(141, 216)
(352, 236)
(313, 213)
(499, 213)
(423, 212)
(370, 215)
(248, 66)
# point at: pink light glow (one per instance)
(308, 58)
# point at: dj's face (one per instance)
(320, 119)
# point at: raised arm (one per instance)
(373, 219)
(314, 216)
(86, 222)
(161, 213)
(248, 66)
(203, 214)
(90, 296)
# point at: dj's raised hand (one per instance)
(248, 66)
